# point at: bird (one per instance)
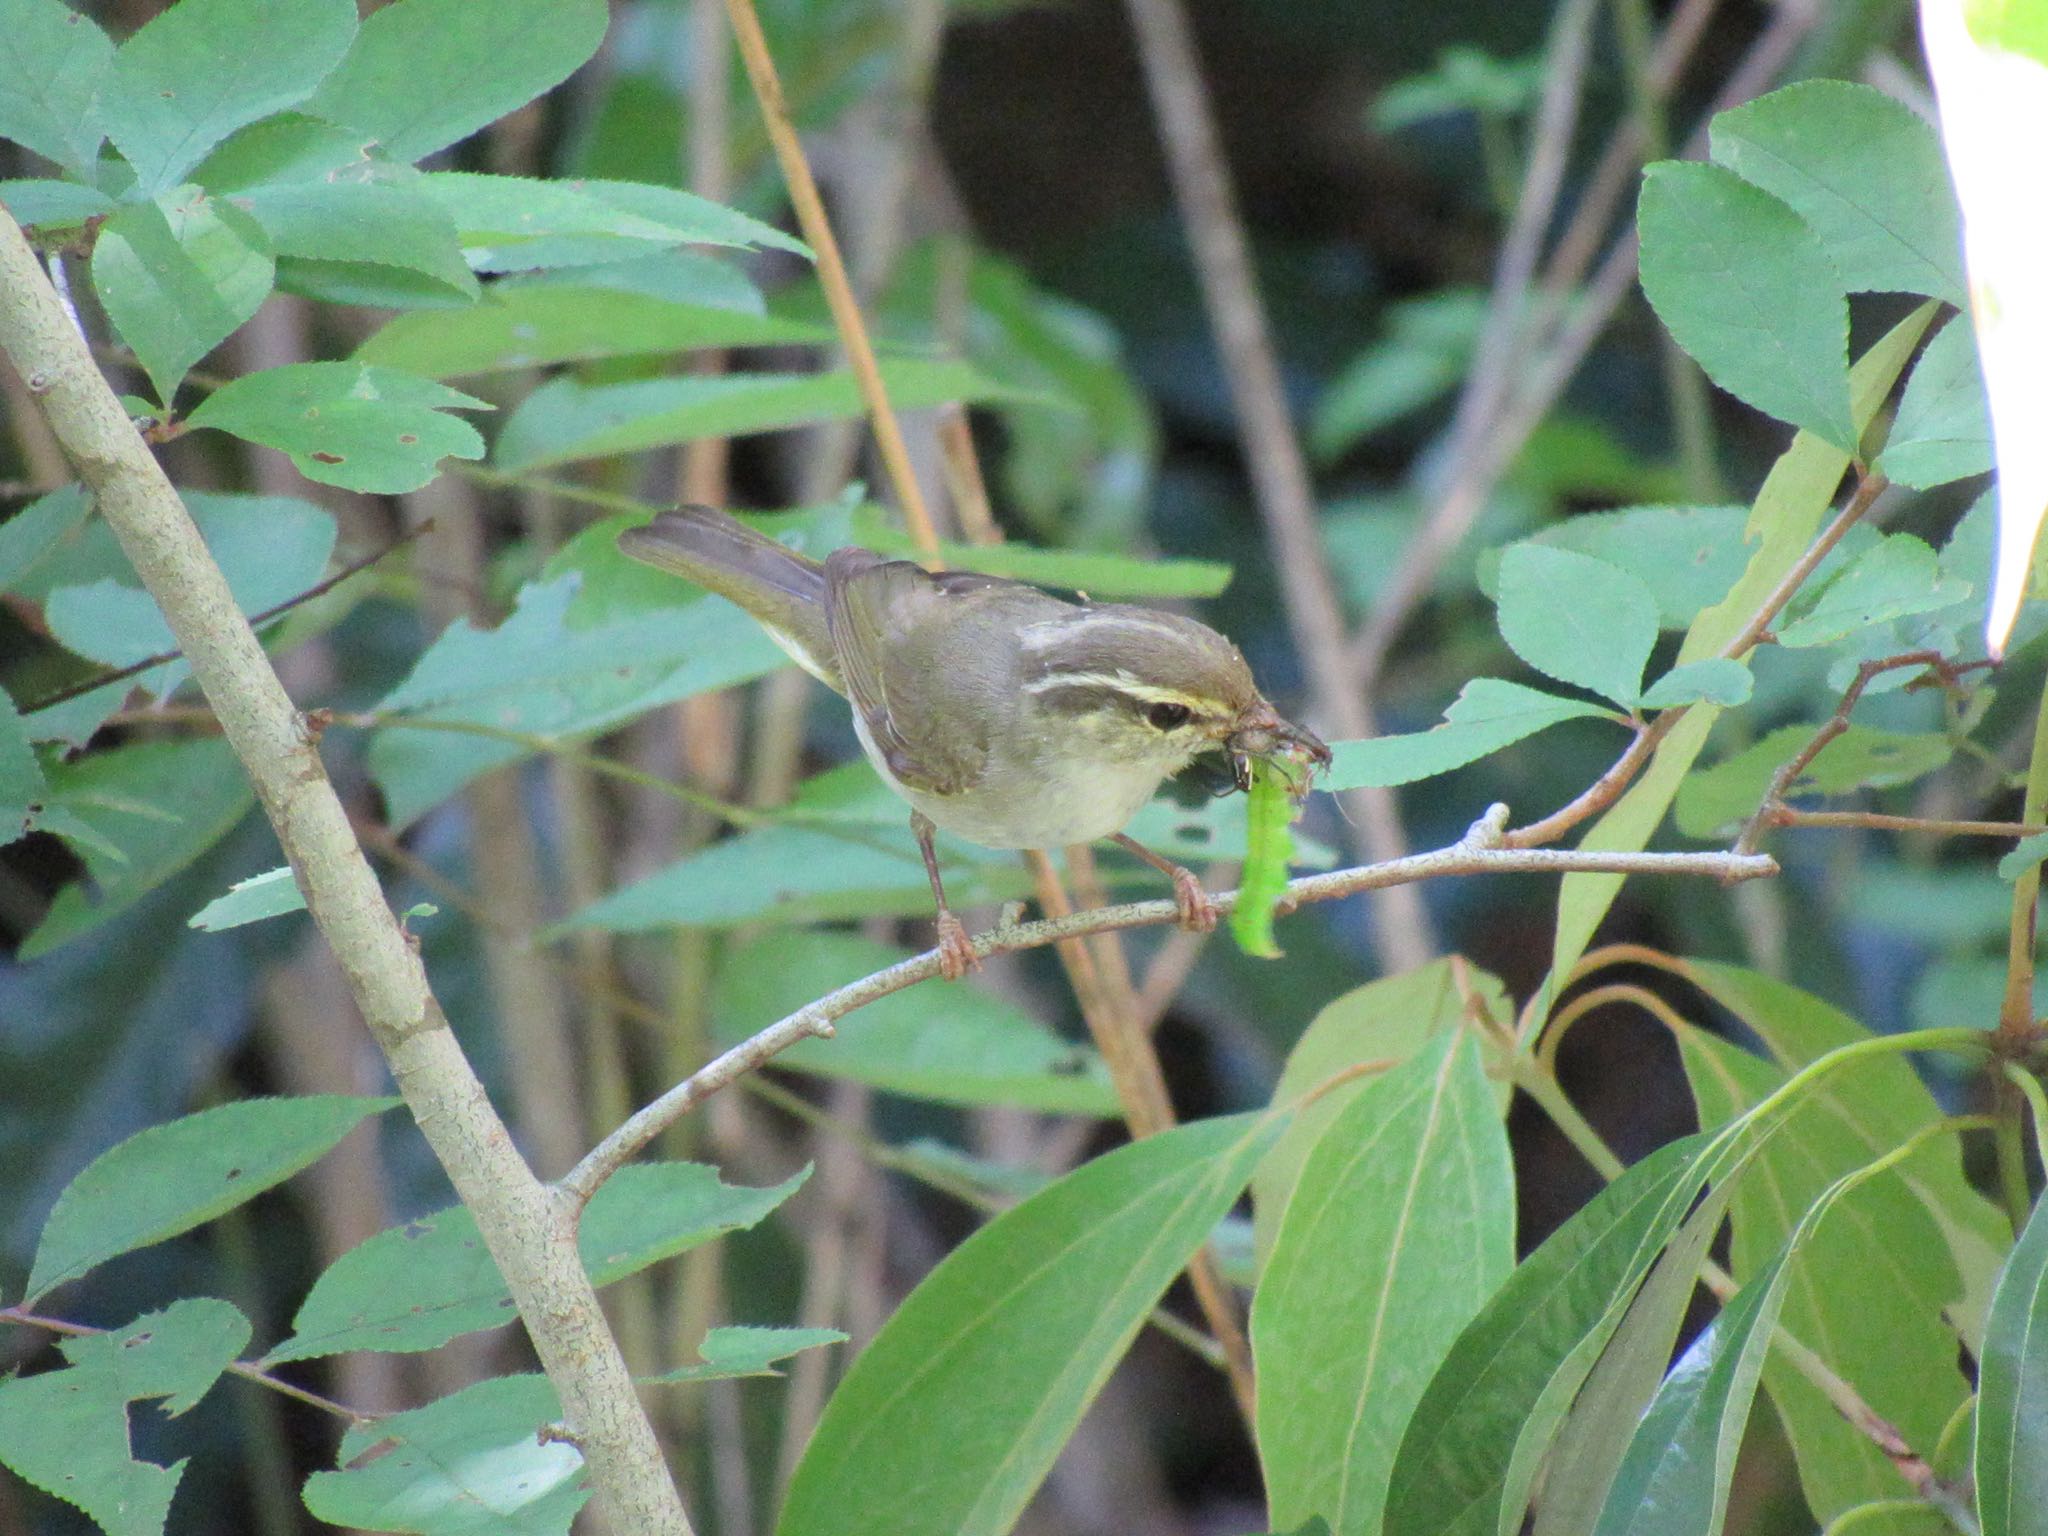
(1003, 714)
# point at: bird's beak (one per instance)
(1261, 732)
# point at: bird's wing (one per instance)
(919, 699)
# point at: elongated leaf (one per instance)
(1745, 286)
(420, 1284)
(270, 894)
(2012, 1403)
(1400, 1227)
(473, 1464)
(201, 69)
(1487, 715)
(178, 276)
(172, 1178)
(1095, 572)
(67, 1431)
(1577, 619)
(424, 73)
(956, 1045)
(348, 424)
(393, 225)
(1715, 798)
(517, 224)
(566, 420)
(52, 63)
(22, 786)
(1894, 578)
(1943, 429)
(997, 1354)
(730, 1352)
(1865, 171)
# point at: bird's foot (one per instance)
(956, 950)
(1194, 910)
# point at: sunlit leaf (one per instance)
(1577, 619)
(270, 894)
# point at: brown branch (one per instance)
(1789, 816)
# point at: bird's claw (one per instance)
(1193, 908)
(956, 950)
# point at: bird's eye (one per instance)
(1168, 717)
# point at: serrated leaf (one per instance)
(567, 420)
(1010, 1338)
(171, 1178)
(270, 894)
(1714, 799)
(52, 63)
(1865, 171)
(22, 786)
(1943, 429)
(1687, 556)
(200, 69)
(475, 1463)
(348, 424)
(730, 1352)
(1713, 680)
(1896, 577)
(1577, 619)
(67, 1431)
(957, 1045)
(2012, 1404)
(1487, 715)
(391, 225)
(418, 1285)
(53, 204)
(37, 530)
(291, 149)
(178, 276)
(1747, 289)
(520, 224)
(424, 73)
(1399, 1228)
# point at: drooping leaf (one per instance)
(1748, 290)
(425, 73)
(475, 1463)
(1400, 1227)
(566, 420)
(417, 1285)
(998, 1352)
(348, 424)
(1487, 715)
(1865, 171)
(270, 894)
(957, 1045)
(178, 276)
(171, 1178)
(52, 63)
(1577, 619)
(730, 1352)
(1943, 429)
(2012, 1406)
(67, 1431)
(200, 69)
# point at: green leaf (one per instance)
(2012, 26)
(518, 224)
(957, 1045)
(39, 529)
(528, 325)
(22, 786)
(67, 1432)
(998, 1352)
(200, 69)
(1713, 799)
(732, 1352)
(171, 1178)
(1715, 679)
(1487, 715)
(1687, 556)
(178, 276)
(136, 815)
(2012, 1403)
(1865, 171)
(363, 221)
(1895, 577)
(418, 1285)
(291, 149)
(1943, 429)
(348, 424)
(1095, 572)
(1463, 80)
(1577, 619)
(425, 73)
(52, 63)
(1384, 1021)
(53, 204)
(1746, 288)
(1528, 1349)
(1425, 353)
(270, 894)
(566, 420)
(2026, 854)
(475, 1463)
(1400, 1227)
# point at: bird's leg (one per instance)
(1197, 912)
(956, 950)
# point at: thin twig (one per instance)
(1479, 852)
(1877, 821)
(1279, 472)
